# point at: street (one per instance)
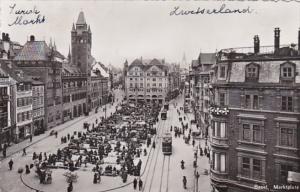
(159, 172)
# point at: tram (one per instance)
(166, 106)
(163, 115)
(167, 144)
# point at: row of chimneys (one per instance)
(276, 41)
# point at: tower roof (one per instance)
(81, 19)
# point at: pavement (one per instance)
(160, 172)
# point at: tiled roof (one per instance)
(12, 73)
(34, 50)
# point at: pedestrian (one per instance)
(27, 171)
(134, 183)
(68, 136)
(4, 152)
(184, 182)
(70, 187)
(140, 184)
(193, 142)
(34, 156)
(30, 137)
(10, 164)
(153, 145)
(55, 134)
(24, 152)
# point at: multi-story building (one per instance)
(5, 117)
(201, 69)
(38, 107)
(20, 102)
(37, 59)
(174, 81)
(74, 92)
(99, 85)
(147, 81)
(255, 117)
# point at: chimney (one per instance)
(32, 38)
(256, 44)
(276, 39)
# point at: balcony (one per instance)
(216, 110)
(24, 93)
(219, 142)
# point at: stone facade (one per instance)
(255, 118)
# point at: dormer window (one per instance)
(252, 70)
(287, 71)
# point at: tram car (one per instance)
(163, 115)
(166, 106)
(167, 144)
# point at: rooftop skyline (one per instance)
(129, 30)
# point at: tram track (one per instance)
(156, 158)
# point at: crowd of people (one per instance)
(107, 147)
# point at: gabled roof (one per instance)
(155, 62)
(12, 72)
(99, 67)
(81, 19)
(195, 63)
(34, 50)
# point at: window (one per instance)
(131, 85)
(245, 167)
(255, 102)
(154, 84)
(222, 164)
(256, 168)
(222, 99)
(154, 79)
(247, 101)
(286, 103)
(284, 169)
(219, 162)
(287, 137)
(252, 133)
(219, 129)
(256, 134)
(141, 85)
(252, 71)
(246, 132)
(251, 101)
(222, 71)
(287, 72)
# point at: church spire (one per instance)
(73, 27)
(54, 45)
(50, 43)
(81, 19)
(69, 54)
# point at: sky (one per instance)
(133, 29)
